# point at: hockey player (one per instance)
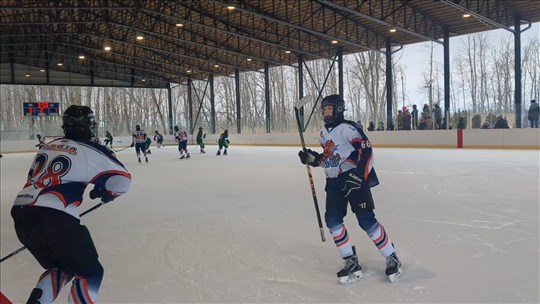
(108, 139)
(181, 138)
(200, 138)
(159, 139)
(139, 141)
(148, 142)
(223, 142)
(45, 210)
(348, 161)
(41, 141)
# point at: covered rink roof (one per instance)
(154, 43)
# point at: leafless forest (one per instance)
(482, 82)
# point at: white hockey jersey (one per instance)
(63, 168)
(347, 147)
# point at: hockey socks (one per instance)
(341, 238)
(49, 285)
(381, 240)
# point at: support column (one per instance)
(340, 71)
(238, 108)
(389, 82)
(301, 88)
(212, 105)
(446, 50)
(169, 106)
(267, 95)
(517, 68)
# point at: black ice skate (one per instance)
(139, 159)
(352, 271)
(182, 157)
(393, 267)
(146, 158)
(202, 151)
(188, 156)
(34, 296)
(218, 153)
(225, 152)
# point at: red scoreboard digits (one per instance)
(43, 108)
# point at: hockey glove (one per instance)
(132, 144)
(311, 157)
(105, 196)
(351, 182)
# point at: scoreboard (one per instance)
(44, 108)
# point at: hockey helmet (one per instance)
(138, 127)
(38, 136)
(338, 107)
(79, 122)
(176, 128)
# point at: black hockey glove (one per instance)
(132, 144)
(104, 195)
(311, 157)
(351, 182)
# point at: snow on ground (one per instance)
(242, 229)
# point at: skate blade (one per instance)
(395, 276)
(354, 277)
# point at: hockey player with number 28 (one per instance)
(348, 162)
(45, 211)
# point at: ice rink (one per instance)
(242, 228)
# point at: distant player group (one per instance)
(141, 142)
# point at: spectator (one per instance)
(534, 113)
(406, 119)
(414, 118)
(438, 116)
(501, 123)
(426, 115)
(422, 125)
(461, 123)
(371, 126)
(381, 126)
(108, 139)
(400, 120)
(485, 125)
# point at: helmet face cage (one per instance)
(79, 122)
(338, 107)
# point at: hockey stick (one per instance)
(24, 247)
(298, 105)
(122, 149)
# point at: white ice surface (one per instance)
(242, 229)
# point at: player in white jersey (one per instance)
(348, 162)
(45, 210)
(181, 138)
(139, 141)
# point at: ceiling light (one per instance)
(42, 70)
(143, 80)
(249, 59)
(179, 24)
(139, 37)
(287, 52)
(393, 30)
(216, 65)
(230, 7)
(466, 15)
(27, 75)
(188, 71)
(81, 57)
(59, 64)
(334, 41)
(107, 48)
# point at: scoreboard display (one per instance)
(44, 108)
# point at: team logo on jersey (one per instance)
(329, 159)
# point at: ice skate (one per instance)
(146, 158)
(393, 267)
(218, 153)
(188, 156)
(351, 272)
(148, 152)
(34, 296)
(182, 157)
(202, 151)
(225, 152)
(139, 159)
